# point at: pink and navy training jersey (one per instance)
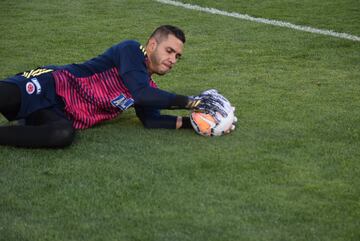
(101, 88)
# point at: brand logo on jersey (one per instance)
(122, 102)
(143, 50)
(37, 84)
(30, 88)
(36, 72)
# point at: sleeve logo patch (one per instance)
(122, 102)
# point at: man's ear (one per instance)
(152, 44)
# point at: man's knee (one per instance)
(62, 136)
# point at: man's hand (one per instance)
(207, 103)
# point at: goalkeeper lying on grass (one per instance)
(57, 100)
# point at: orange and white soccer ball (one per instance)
(206, 124)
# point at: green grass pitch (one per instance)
(289, 172)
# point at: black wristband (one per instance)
(179, 102)
(186, 123)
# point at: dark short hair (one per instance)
(165, 30)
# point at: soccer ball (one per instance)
(205, 124)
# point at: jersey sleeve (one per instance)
(151, 118)
(145, 95)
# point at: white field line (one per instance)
(261, 20)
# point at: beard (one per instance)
(156, 63)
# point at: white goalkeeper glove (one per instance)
(223, 103)
(207, 103)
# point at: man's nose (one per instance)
(173, 59)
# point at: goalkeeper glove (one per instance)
(226, 106)
(207, 103)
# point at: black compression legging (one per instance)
(44, 128)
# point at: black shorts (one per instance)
(37, 88)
